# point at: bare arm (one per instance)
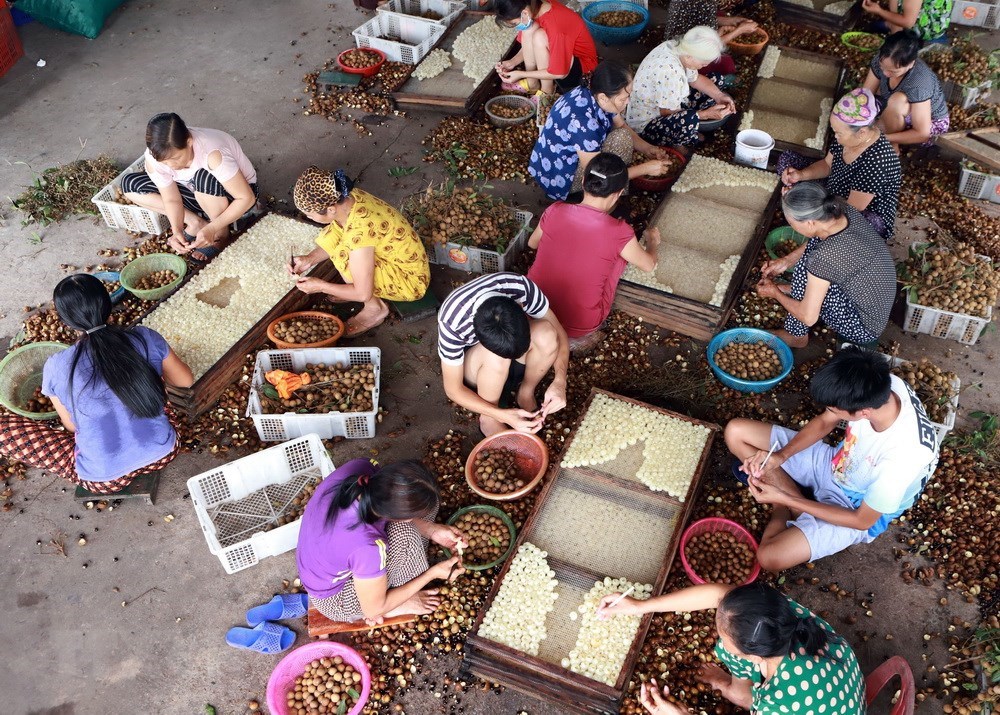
(859, 199)
(643, 258)
(555, 395)
(453, 378)
(238, 188)
(377, 599)
(176, 372)
(173, 206)
(362, 267)
(903, 20)
(535, 238)
(871, 82)
(63, 413)
(807, 309)
(920, 117)
(693, 598)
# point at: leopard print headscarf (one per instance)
(317, 190)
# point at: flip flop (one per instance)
(282, 606)
(741, 476)
(209, 252)
(268, 638)
(520, 86)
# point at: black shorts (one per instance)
(572, 79)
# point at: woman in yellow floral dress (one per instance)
(375, 249)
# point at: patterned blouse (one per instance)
(933, 20)
(402, 272)
(828, 683)
(576, 123)
(875, 171)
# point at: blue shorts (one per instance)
(813, 468)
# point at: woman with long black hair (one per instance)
(781, 657)
(108, 390)
(362, 550)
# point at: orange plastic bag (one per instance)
(286, 382)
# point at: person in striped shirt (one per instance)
(496, 334)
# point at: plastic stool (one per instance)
(883, 675)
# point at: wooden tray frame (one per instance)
(989, 137)
(793, 14)
(206, 391)
(548, 681)
(838, 92)
(483, 91)
(687, 316)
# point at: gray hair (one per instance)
(701, 43)
(810, 201)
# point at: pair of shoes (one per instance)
(264, 636)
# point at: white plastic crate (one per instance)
(966, 95)
(449, 10)
(416, 36)
(279, 427)
(238, 502)
(976, 14)
(478, 260)
(978, 184)
(128, 216)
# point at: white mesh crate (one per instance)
(966, 95)
(978, 184)
(580, 5)
(128, 216)
(976, 14)
(448, 10)
(239, 504)
(278, 427)
(402, 38)
(478, 260)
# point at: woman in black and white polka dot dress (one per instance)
(861, 167)
(843, 275)
(782, 658)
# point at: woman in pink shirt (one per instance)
(200, 179)
(582, 252)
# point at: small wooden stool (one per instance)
(412, 311)
(319, 625)
(142, 487)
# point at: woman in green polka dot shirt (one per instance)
(782, 659)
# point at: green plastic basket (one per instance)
(850, 38)
(144, 265)
(778, 235)
(495, 512)
(21, 373)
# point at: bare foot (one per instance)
(792, 341)
(371, 316)
(194, 224)
(419, 604)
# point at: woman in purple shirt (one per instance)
(362, 551)
(108, 390)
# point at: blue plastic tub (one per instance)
(111, 277)
(750, 335)
(614, 35)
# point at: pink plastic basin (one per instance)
(295, 663)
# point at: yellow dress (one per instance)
(402, 272)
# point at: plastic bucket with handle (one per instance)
(753, 147)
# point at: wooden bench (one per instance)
(320, 625)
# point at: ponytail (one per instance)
(606, 174)
(811, 201)
(397, 491)
(762, 622)
(83, 304)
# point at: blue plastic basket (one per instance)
(614, 35)
(111, 277)
(749, 335)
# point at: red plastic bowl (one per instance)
(710, 525)
(367, 71)
(647, 183)
(294, 664)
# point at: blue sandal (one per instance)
(209, 252)
(268, 638)
(282, 606)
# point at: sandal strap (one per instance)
(269, 641)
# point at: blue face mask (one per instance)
(521, 27)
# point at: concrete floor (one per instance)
(235, 66)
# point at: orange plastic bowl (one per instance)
(708, 526)
(309, 315)
(365, 71)
(532, 460)
(749, 50)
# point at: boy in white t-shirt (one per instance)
(888, 453)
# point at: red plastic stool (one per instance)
(883, 675)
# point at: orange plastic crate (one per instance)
(11, 49)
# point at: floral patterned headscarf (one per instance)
(857, 108)
(317, 190)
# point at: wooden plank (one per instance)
(979, 145)
(430, 93)
(544, 680)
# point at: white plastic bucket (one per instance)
(753, 147)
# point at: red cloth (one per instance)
(579, 264)
(724, 65)
(568, 38)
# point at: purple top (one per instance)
(329, 555)
(110, 441)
